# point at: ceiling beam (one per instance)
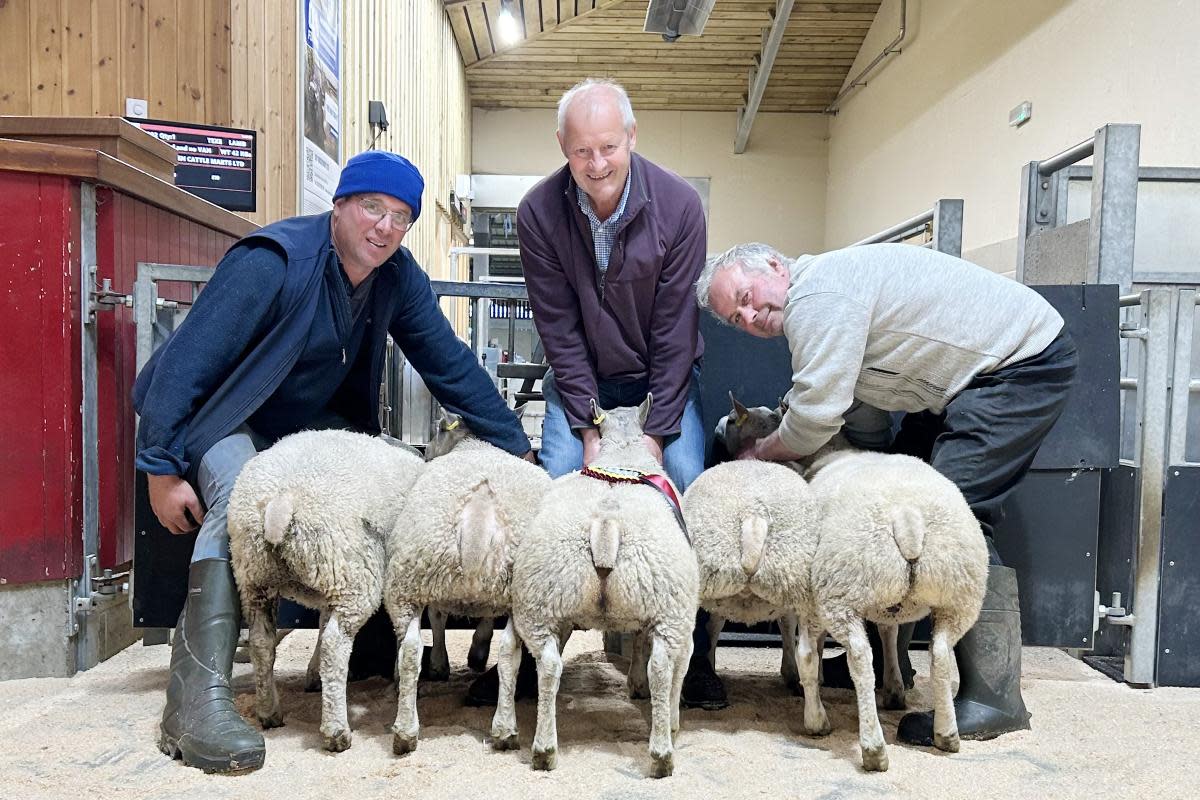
(761, 74)
(516, 49)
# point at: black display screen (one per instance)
(212, 162)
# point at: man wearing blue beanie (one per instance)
(290, 334)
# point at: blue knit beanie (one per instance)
(385, 173)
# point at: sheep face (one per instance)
(744, 426)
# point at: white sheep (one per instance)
(307, 520)
(610, 556)
(897, 542)
(453, 549)
(753, 526)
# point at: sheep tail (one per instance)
(605, 537)
(482, 534)
(754, 536)
(278, 518)
(908, 529)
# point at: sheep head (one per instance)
(450, 431)
(744, 426)
(621, 431)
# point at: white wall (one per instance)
(774, 192)
(933, 122)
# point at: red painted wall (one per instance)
(40, 471)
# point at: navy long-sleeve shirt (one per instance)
(272, 341)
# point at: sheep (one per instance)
(307, 520)
(453, 549)
(897, 542)
(603, 555)
(753, 527)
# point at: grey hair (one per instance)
(587, 86)
(754, 257)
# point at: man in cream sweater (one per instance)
(981, 366)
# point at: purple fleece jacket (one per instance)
(641, 319)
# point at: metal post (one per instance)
(82, 588)
(947, 226)
(1181, 379)
(1114, 205)
(1141, 655)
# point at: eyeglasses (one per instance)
(401, 220)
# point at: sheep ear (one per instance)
(597, 412)
(739, 411)
(520, 410)
(783, 405)
(450, 421)
(644, 409)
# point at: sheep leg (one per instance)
(853, 636)
(893, 681)
(816, 721)
(549, 668)
(407, 622)
(788, 668)
(260, 619)
(639, 684)
(337, 640)
(948, 628)
(481, 644)
(661, 674)
(508, 661)
(312, 674)
(439, 660)
(681, 667)
(713, 628)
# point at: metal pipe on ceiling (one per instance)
(893, 47)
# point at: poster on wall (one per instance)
(320, 104)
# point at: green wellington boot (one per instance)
(989, 667)
(200, 723)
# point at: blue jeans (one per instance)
(683, 453)
(216, 474)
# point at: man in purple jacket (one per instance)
(611, 245)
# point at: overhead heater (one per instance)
(675, 18)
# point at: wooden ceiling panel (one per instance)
(568, 40)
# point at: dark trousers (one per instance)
(989, 433)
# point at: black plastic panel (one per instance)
(1087, 433)
(1048, 535)
(758, 371)
(1179, 624)
(1115, 550)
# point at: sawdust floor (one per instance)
(94, 735)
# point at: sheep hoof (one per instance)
(821, 729)
(894, 701)
(947, 742)
(875, 759)
(312, 683)
(272, 720)
(477, 659)
(638, 692)
(337, 742)
(403, 743)
(545, 759)
(505, 742)
(663, 766)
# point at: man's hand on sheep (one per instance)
(591, 444)
(768, 448)
(654, 445)
(172, 499)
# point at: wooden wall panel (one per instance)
(405, 54)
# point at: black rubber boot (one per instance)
(484, 690)
(200, 723)
(702, 688)
(989, 667)
(835, 672)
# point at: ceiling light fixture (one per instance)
(675, 18)
(506, 27)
